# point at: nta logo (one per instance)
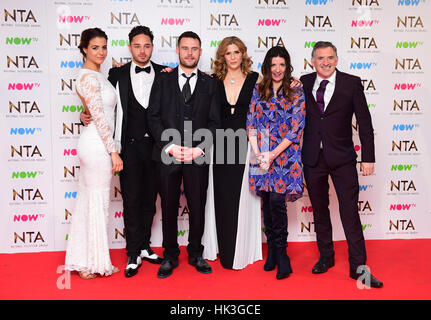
(20, 14)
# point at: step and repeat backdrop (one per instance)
(382, 41)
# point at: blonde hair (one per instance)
(219, 66)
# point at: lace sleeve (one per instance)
(90, 90)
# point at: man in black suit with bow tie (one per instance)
(139, 179)
(332, 97)
(184, 106)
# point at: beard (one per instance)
(189, 64)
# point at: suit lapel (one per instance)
(175, 85)
(125, 83)
(157, 68)
(338, 84)
(200, 84)
(308, 87)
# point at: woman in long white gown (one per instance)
(88, 247)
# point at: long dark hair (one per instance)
(265, 85)
(86, 37)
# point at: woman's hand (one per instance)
(167, 69)
(117, 163)
(295, 83)
(85, 118)
(266, 159)
(120, 64)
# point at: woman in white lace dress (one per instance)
(87, 247)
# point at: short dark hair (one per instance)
(323, 44)
(140, 30)
(89, 34)
(189, 34)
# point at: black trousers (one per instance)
(345, 179)
(139, 182)
(274, 219)
(195, 181)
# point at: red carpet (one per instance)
(403, 266)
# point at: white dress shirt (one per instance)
(182, 80)
(329, 91)
(142, 83)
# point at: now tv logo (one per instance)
(24, 131)
(270, 22)
(70, 195)
(307, 209)
(73, 19)
(19, 40)
(402, 207)
(410, 2)
(27, 217)
(175, 21)
(407, 86)
(362, 65)
(408, 44)
(72, 108)
(365, 187)
(25, 174)
(70, 152)
(317, 2)
(404, 127)
(363, 23)
(71, 64)
(170, 64)
(403, 167)
(23, 86)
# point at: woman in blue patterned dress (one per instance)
(275, 123)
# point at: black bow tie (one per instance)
(139, 69)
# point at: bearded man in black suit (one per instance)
(183, 117)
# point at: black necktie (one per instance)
(320, 95)
(139, 69)
(186, 91)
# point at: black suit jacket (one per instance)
(121, 75)
(334, 127)
(164, 111)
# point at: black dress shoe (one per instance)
(201, 265)
(366, 278)
(133, 264)
(149, 255)
(166, 268)
(323, 265)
